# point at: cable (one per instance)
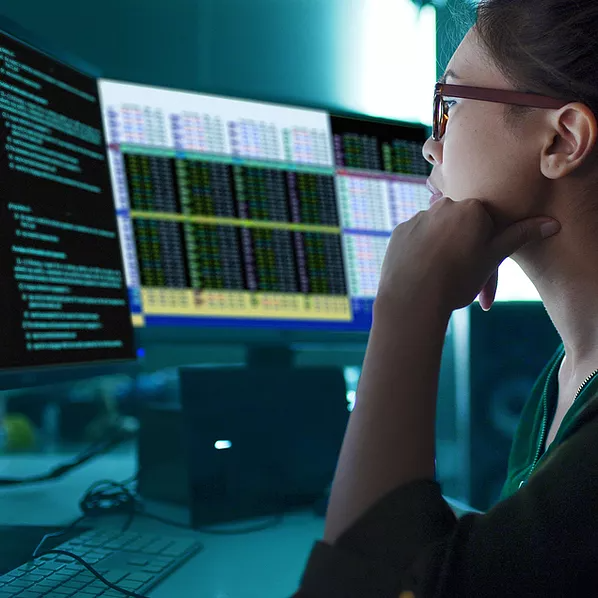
(95, 449)
(57, 534)
(107, 497)
(94, 502)
(130, 480)
(96, 573)
(92, 505)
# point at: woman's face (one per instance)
(481, 155)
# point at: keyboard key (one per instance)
(38, 562)
(75, 585)
(178, 548)
(117, 544)
(63, 591)
(137, 545)
(21, 583)
(90, 544)
(162, 560)
(84, 576)
(33, 577)
(115, 575)
(23, 569)
(48, 568)
(97, 542)
(139, 576)
(47, 584)
(154, 568)
(93, 590)
(129, 584)
(157, 547)
(138, 561)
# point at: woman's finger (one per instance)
(488, 293)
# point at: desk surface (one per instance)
(258, 565)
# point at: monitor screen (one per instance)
(247, 214)
(64, 299)
(380, 177)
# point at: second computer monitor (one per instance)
(63, 301)
(236, 213)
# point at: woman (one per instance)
(516, 174)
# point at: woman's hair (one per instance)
(544, 46)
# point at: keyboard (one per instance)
(133, 561)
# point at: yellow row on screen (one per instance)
(242, 304)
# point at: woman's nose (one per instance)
(432, 151)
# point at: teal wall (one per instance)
(150, 41)
(272, 49)
(296, 51)
(268, 49)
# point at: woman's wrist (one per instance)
(393, 309)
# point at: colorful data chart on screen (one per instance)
(216, 126)
(227, 208)
(380, 182)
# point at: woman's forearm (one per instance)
(390, 439)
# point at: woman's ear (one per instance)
(571, 141)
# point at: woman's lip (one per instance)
(436, 193)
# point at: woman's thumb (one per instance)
(523, 232)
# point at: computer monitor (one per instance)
(248, 215)
(64, 309)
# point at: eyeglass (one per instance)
(502, 96)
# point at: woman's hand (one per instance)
(453, 251)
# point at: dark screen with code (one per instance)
(63, 299)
